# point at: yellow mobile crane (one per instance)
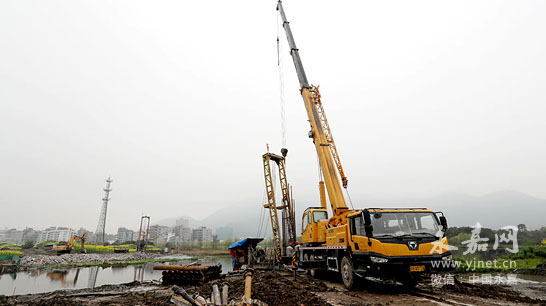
(397, 242)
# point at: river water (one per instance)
(40, 281)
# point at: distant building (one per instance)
(172, 238)
(88, 234)
(224, 233)
(111, 238)
(30, 235)
(183, 233)
(11, 236)
(157, 231)
(126, 235)
(183, 222)
(56, 234)
(201, 234)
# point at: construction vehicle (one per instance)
(286, 207)
(67, 248)
(399, 243)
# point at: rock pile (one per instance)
(49, 260)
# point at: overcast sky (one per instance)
(176, 100)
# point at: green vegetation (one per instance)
(526, 238)
(18, 253)
(532, 250)
(223, 245)
(5, 246)
(27, 245)
(90, 248)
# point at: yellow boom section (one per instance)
(328, 133)
(324, 146)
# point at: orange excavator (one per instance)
(67, 248)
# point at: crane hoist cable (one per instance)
(349, 197)
(266, 226)
(260, 223)
(280, 64)
(320, 177)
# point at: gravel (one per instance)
(48, 260)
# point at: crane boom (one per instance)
(320, 129)
(293, 50)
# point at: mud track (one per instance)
(279, 288)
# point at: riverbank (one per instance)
(198, 252)
(30, 262)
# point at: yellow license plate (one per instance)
(417, 268)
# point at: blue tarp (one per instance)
(245, 243)
(241, 245)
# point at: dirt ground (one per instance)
(279, 288)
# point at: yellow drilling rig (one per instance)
(285, 207)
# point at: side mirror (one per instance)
(368, 227)
(443, 222)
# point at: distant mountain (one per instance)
(172, 221)
(493, 210)
(243, 219)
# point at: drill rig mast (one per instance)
(286, 206)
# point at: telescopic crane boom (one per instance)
(320, 130)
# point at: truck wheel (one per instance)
(306, 258)
(314, 273)
(409, 282)
(347, 272)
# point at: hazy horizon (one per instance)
(176, 102)
(368, 202)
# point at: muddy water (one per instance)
(533, 286)
(40, 281)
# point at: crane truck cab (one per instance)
(313, 226)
